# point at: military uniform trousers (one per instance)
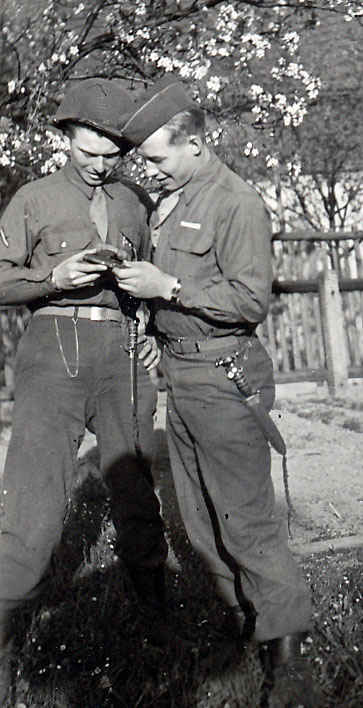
(214, 441)
(50, 413)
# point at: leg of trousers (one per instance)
(212, 434)
(50, 413)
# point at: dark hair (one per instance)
(189, 122)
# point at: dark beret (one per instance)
(101, 104)
(157, 106)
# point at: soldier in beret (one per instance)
(210, 280)
(73, 366)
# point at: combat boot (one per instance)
(288, 682)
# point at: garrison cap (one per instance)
(101, 104)
(158, 105)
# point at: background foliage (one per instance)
(280, 81)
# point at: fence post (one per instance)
(332, 320)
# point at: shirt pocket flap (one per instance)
(191, 240)
(65, 243)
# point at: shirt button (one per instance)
(64, 244)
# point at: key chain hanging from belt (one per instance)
(132, 331)
(72, 374)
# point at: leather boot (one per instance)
(288, 680)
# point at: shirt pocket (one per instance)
(193, 251)
(65, 244)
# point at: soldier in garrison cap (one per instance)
(210, 279)
(72, 367)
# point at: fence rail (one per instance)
(314, 329)
(310, 235)
(286, 287)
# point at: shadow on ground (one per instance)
(83, 643)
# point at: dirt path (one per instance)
(325, 465)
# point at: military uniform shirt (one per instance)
(217, 240)
(48, 221)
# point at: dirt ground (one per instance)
(324, 437)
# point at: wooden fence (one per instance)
(314, 329)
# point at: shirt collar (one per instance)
(74, 177)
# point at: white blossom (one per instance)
(251, 149)
(255, 90)
(154, 56)
(185, 71)
(214, 83)
(144, 33)
(4, 159)
(166, 63)
(271, 161)
(140, 9)
(201, 71)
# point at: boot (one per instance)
(288, 681)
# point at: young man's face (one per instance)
(171, 165)
(93, 156)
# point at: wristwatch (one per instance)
(174, 297)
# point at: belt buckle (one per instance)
(96, 313)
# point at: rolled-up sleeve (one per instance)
(239, 290)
